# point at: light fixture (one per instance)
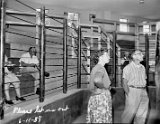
(141, 1)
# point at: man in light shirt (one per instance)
(11, 79)
(157, 82)
(29, 63)
(134, 84)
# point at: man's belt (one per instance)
(137, 87)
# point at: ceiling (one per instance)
(149, 9)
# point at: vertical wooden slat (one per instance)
(3, 38)
(147, 56)
(79, 59)
(42, 58)
(65, 56)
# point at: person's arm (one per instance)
(125, 86)
(98, 79)
(98, 83)
(6, 60)
(126, 72)
(24, 61)
(27, 64)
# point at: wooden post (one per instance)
(42, 58)
(3, 39)
(88, 63)
(114, 54)
(64, 55)
(147, 56)
(79, 59)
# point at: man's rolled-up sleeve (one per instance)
(126, 73)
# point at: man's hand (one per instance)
(126, 92)
(125, 86)
(23, 64)
(33, 65)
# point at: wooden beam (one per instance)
(20, 13)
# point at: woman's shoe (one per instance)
(10, 102)
(20, 98)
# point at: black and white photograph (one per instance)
(80, 61)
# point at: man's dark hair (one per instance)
(31, 48)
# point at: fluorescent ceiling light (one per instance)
(141, 1)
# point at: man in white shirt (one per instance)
(11, 79)
(134, 84)
(29, 63)
(157, 82)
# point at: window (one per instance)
(123, 27)
(73, 18)
(146, 28)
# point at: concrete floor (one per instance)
(33, 102)
(117, 117)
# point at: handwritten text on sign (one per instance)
(38, 109)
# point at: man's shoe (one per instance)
(10, 102)
(1, 112)
(20, 98)
(38, 91)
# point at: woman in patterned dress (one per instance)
(100, 104)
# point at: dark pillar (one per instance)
(42, 58)
(79, 59)
(65, 56)
(147, 56)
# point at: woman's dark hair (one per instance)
(97, 54)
